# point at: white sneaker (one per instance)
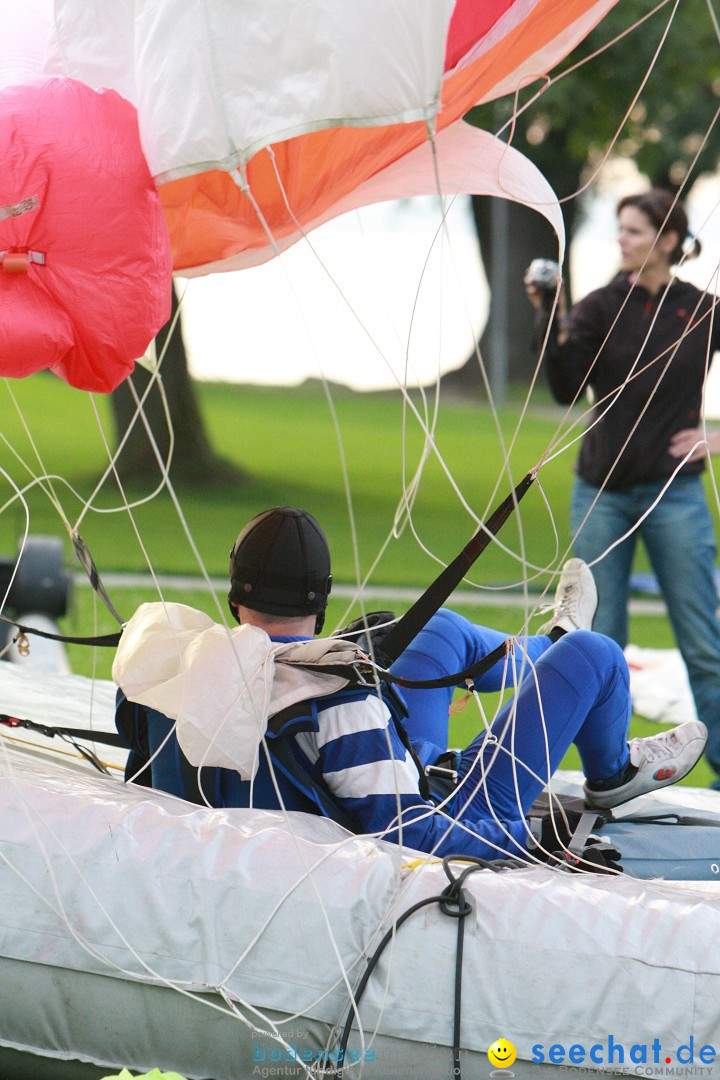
(575, 599)
(659, 760)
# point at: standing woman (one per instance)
(642, 344)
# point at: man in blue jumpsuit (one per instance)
(370, 752)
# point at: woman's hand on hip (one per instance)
(694, 443)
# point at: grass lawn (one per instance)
(288, 442)
(350, 466)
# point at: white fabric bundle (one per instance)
(219, 684)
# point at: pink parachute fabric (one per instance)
(84, 255)
(260, 119)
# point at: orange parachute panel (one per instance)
(296, 182)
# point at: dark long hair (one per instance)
(667, 214)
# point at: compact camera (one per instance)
(543, 274)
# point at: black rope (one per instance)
(454, 903)
(456, 906)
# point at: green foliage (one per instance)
(575, 119)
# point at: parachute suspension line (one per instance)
(635, 371)
(671, 353)
(406, 509)
(24, 630)
(331, 279)
(508, 448)
(245, 187)
(427, 431)
(713, 285)
(127, 506)
(406, 629)
(26, 531)
(154, 382)
(403, 514)
(549, 80)
(713, 18)
(584, 187)
(45, 482)
(239, 176)
(168, 485)
(410, 491)
(80, 547)
(513, 120)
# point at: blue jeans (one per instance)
(578, 692)
(680, 541)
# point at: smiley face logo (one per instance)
(502, 1053)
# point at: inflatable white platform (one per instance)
(138, 930)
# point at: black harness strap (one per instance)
(69, 735)
(365, 674)
(284, 758)
(109, 640)
(278, 735)
(86, 561)
(110, 738)
(278, 745)
(409, 626)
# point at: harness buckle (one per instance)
(442, 773)
(366, 673)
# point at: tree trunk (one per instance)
(193, 459)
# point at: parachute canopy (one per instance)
(84, 254)
(257, 120)
(261, 119)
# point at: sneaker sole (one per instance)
(597, 798)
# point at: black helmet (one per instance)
(280, 565)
